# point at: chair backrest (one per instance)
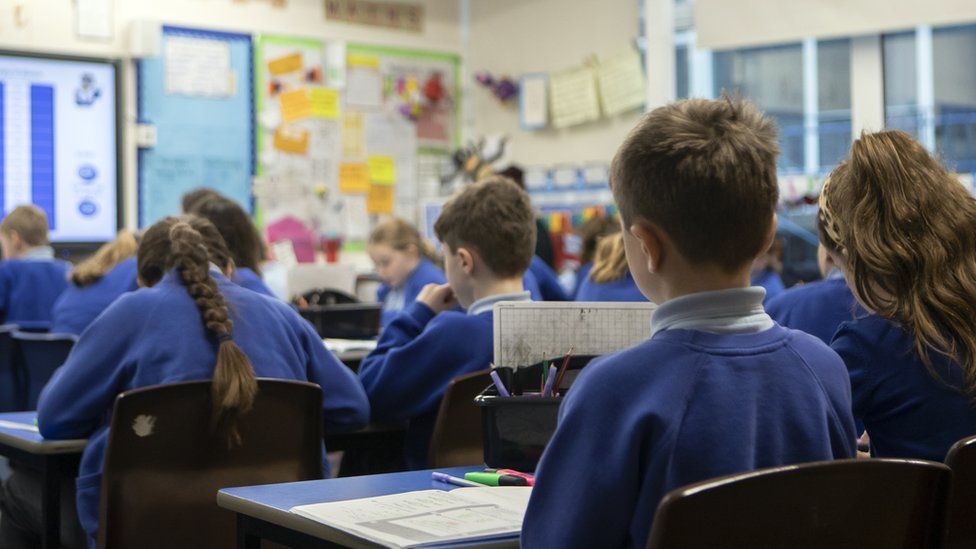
(163, 467)
(38, 356)
(962, 499)
(11, 384)
(457, 439)
(867, 503)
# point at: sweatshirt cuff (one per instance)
(420, 312)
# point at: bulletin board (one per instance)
(198, 95)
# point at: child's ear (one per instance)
(651, 243)
(770, 235)
(465, 260)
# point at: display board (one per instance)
(59, 143)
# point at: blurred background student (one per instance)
(405, 262)
(610, 278)
(590, 233)
(766, 269)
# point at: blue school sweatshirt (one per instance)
(549, 287)
(395, 300)
(246, 278)
(154, 336)
(582, 275)
(907, 412)
(685, 406)
(770, 280)
(29, 286)
(817, 308)
(417, 356)
(78, 307)
(623, 289)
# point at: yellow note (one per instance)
(353, 138)
(353, 177)
(361, 60)
(295, 105)
(379, 199)
(291, 140)
(382, 170)
(325, 103)
(285, 65)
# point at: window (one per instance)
(900, 82)
(954, 94)
(833, 102)
(772, 78)
(682, 80)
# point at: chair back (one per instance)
(457, 438)
(962, 498)
(163, 466)
(11, 393)
(38, 356)
(867, 503)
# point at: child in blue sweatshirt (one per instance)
(719, 388)
(240, 235)
(817, 308)
(610, 279)
(30, 278)
(903, 232)
(95, 283)
(191, 323)
(547, 281)
(405, 263)
(428, 344)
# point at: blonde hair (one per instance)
(101, 262)
(401, 235)
(907, 231)
(610, 262)
(29, 222)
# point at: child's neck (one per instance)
(496, 286)
(702, 279)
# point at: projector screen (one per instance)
(59, 143)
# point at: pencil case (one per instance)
(517, 428)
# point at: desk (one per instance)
(262, 511)
(53, 459)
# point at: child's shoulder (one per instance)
(871, 333)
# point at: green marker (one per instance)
(495, 479)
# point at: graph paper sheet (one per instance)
(528, 332)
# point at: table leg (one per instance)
(51, 503)
(245, 538)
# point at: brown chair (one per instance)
(962, 499)
(457, 438)
(163, 467)
(866, 503)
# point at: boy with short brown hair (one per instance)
(488, 234)
(30, 278)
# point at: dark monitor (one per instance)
(346, 321)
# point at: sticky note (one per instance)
(382, 169)
(353, 137)
(353, 177)
(325, 103)
(379, 199)
(361, 60)
(291, 141)
(285, 65)
(295, 105)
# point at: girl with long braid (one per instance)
(189, 322)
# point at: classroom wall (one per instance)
(514, 37)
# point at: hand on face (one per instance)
(439, 297)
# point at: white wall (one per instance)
(513, 37)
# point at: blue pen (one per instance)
(502, 391)
(446, 478)
(547, 390)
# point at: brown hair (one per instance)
(401, 235)
(705, 172)
(191, 199)
(611, 261)
(907, 231)
(101, 262)
(189, 245)
(29, 222)
(592, 231)
(494, 217)
(235, 226)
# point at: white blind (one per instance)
(724, 24)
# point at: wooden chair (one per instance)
(867, 503)
(10, 380)
(962, 499)
(457, 439)
(163, 467)
(38, 356)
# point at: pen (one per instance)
(448, 479)
(502, 391)
(549, 381)
(562, 370)
(496, 479)
(529, 478)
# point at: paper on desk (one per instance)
(340, 346)
(19, 426)
(428, 517)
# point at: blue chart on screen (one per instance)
(58, 144)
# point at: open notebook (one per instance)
(427, 518)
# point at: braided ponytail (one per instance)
(190, 245)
